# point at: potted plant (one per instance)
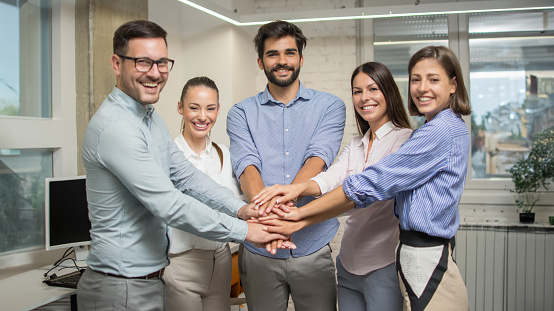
(533, 174)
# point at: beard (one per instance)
(282, 82)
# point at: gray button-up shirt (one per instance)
(138, 183)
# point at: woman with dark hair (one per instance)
(199, 275)
(366, 274)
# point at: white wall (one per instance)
(204, 45)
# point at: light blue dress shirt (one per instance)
(277, 139)
(138, 183)
(426, 176)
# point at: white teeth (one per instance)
(368, 107)
(147, 84)
(424, 99)
(200, 125)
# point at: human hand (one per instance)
(248, 211)
(257, 235)
(280, 226)
(280, 196)
(273, 246)
(294, 214)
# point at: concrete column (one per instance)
(95, 23)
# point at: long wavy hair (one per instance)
(384, 80)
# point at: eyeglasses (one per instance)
(144, 64)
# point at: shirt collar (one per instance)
(380, 133)
(187, 151)
(303, 93)
(135, 107)
(446, 113)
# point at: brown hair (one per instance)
(459, 101)
(385, 81)
(209, 83)
(278, 29)
(135, 29)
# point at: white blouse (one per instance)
(371, 233)
(209, 163)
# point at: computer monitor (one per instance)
(66, 215)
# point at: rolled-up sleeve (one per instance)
(326, 141)
(242, 148)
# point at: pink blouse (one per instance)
(371, 233)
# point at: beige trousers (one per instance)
(199, 280)
(446, 293)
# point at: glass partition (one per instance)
(397, 39)
(25, 68)
(511, 86)
(22, 174)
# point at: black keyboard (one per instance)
(69, 280)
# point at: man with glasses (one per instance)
(139, 182)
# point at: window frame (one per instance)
(58, 133)
(486, 191)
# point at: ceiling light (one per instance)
(370, 12)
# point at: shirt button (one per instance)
(286, 130)
(288, 176)
(287, 153)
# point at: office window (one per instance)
(25, 58)
(25, 122)
(22, 174)
(511, 86)
(397, 39)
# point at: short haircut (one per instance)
(278, 29)
(385, 81)
(135, 29)
(459, 101)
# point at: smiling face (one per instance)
(430, 87)
(199, 109)
(144, 87)
(281, 61)
(369, 101)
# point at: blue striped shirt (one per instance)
(426, 177)
(277, 139)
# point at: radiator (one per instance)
(507, 268)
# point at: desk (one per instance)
(26, 291)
